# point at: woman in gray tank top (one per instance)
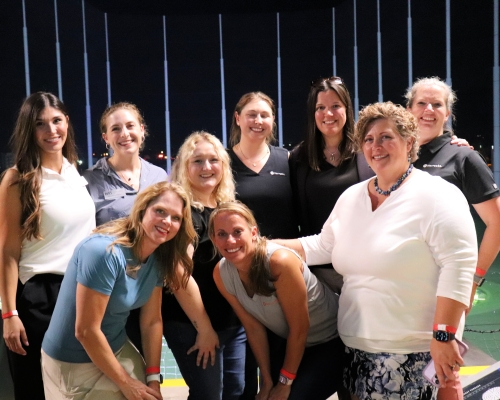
(270, 286)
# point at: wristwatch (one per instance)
(154, 377)
(478, 280)
(285, 381)
(443, 336)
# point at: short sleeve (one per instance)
(225, 274)
(479, 184)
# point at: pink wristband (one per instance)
(9, 314)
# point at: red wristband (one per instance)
(152, 370)
(287, 374)
(9, 314)
(480, 272)
(443, 327)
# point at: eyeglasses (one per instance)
(331, 79)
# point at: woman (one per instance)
(85, 352)
(418, 240)
(431, 101)
(325, 162)
(202, 168)
(115, 181)
(269, 286)
(45, 211)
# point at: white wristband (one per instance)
(153, 377)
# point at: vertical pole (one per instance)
(448, 45)
(280, 110)
(356, 98)
(496, 98)
(26, 58)
(167, 106)
(379, 54)
(410, 50)
(334, 50)
(58, 54)
(222, 88)
(108, 66)
(87, 94)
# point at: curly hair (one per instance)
(242, 102)
(225, 190)
(28, 161)
(313, 144)
(405, 123)
(129, 232)
(123, 106)
(259, 274)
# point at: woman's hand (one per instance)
(280, 392)
(265, 389)
(136, 390)
(13, 334)
(447, 360)
(206, 342)
(460, 142)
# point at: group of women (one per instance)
(211, 260)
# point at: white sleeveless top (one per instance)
(68, 216)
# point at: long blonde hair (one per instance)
(129, 232)
(226, 187)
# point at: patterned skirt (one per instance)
(387, 376)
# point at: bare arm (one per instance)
(256, 335)
(90, 308)
(489, 211)
(151, 333)
(293, 244)
(10, 253)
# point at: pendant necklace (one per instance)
(251, 162)
(395, 186)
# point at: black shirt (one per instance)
(268, 194)
(461, 166)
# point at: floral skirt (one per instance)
(387, 376)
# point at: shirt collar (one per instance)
(102, 164)
(437, 143)
(65, 165)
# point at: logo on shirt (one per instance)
(277, 173)
(432, 166)
(269, 303)
(495, 186)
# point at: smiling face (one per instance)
(51, 130)
(234, 238)
(124, 133)
(255, 120)
(385, 150)
(162, 220)
(204, 168)
(429, 107)
(330, 113)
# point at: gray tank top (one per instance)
(322, 303)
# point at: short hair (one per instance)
(450, 95)
(129, 232)
(314, 143)
(28, 161)
(404, 121)
(259, 274)
(226, 187)
(124, 105)
(240, 105)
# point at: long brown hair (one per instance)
(259, 273)
(28, 161)
(130, 233)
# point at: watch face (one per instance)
(442, 336)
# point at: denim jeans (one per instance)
(223, 381)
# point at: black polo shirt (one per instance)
(461, 166)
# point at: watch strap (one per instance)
(478, 280)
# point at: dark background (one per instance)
(250, 58)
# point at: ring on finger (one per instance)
(454, 366)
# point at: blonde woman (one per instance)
(202, 168)
(122, 266)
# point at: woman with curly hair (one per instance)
(45, 210)
(203, 169)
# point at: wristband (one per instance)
(152, 370)
(480, 272)
(154, 377)
(478, 280)
(9, 314)
(443, 327)
(287, 374)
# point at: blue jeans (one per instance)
(223, 381)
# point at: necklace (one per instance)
(128, 181)
(251, 162)
(332, 156)
(395, 186)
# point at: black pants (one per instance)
(35, 302)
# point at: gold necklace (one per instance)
(251, 162)
(128, 181)
(332, 155)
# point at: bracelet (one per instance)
(9, 314)
(287, 374)
(480, 272)
(443, 327)
(152, 370)
(154, 377)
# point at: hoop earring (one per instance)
(409, 158)
(107, 146)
